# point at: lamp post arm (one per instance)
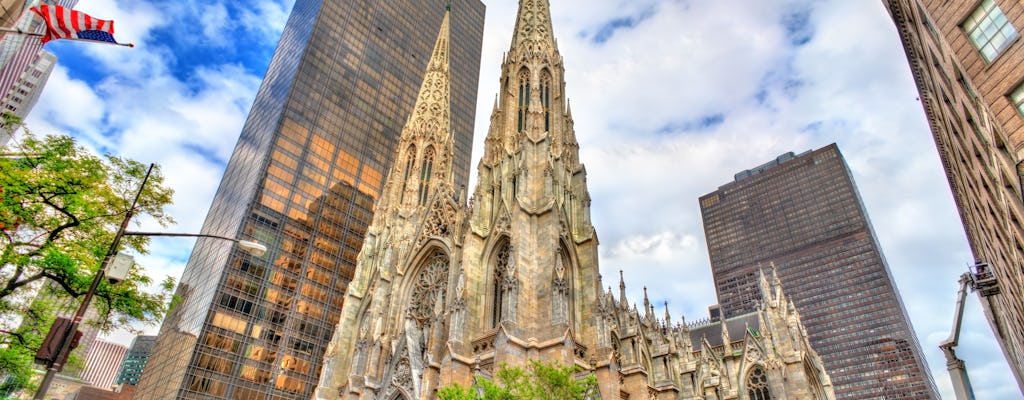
(251, 247)
(132, 233)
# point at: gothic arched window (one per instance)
(524, 97)
(545, 98)
(561, 288)
(410, 162)
(430, 288)
(757, 385)
(501, 284)
(425, 171)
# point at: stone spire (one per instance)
(426, 145)
(422, 170)
(433, 105)
(622, 291)
(533, 27)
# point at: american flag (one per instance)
(65, 23)
(16, 52)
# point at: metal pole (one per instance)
(65, 345)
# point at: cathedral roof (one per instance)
(737, 327)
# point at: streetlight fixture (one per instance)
(66, 338)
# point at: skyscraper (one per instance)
(135, 360)
(102, 363)
(18, 51)
(308, 165)
(802, 214)
(26, 90)
(967, 59)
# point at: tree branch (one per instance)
(13, 283)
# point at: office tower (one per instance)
(102, 363)
(308, 165)
(135, 360)
(17, 51)
(446, 291)
(968, 62)
(26, 90)
(802, 214)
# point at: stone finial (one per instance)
(622, 292)
(726, 339)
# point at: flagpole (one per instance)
(21, 32)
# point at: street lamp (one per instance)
(66, 338)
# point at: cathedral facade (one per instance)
(445, 291)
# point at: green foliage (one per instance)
(540, 381)
(60, 207)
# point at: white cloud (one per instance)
(215, 23)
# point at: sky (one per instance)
(670, 99)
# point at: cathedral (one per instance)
(447, 289)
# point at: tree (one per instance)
(540, 381)
(60, 207)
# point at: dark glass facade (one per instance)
(135, 360)
(308, 166)
(803, 213)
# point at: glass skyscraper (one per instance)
(135, 360)
(303, 179)
(803, 214)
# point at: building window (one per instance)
(1017, 98)
(425, 173)
(504, 286)
(410, 162)
(989, 30)
(757, 385)
(524, 98)
(545, 98)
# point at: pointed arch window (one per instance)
(561, 287)
(410, 162)
(545, 98)
(524, 98)
(502, 285)
(425, 172)
(430, 289)
(757, 385)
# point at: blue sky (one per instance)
(670, 99)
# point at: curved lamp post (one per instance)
(65, 341)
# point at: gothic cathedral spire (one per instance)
(390, 304)
(426, 143)
(533, 26)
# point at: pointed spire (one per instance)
(433, 105)
(766, 290)
(668, 317)
(533, 26)
(622, 291)
(568, 109)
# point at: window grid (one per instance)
(1017, 98)
(989, 30)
